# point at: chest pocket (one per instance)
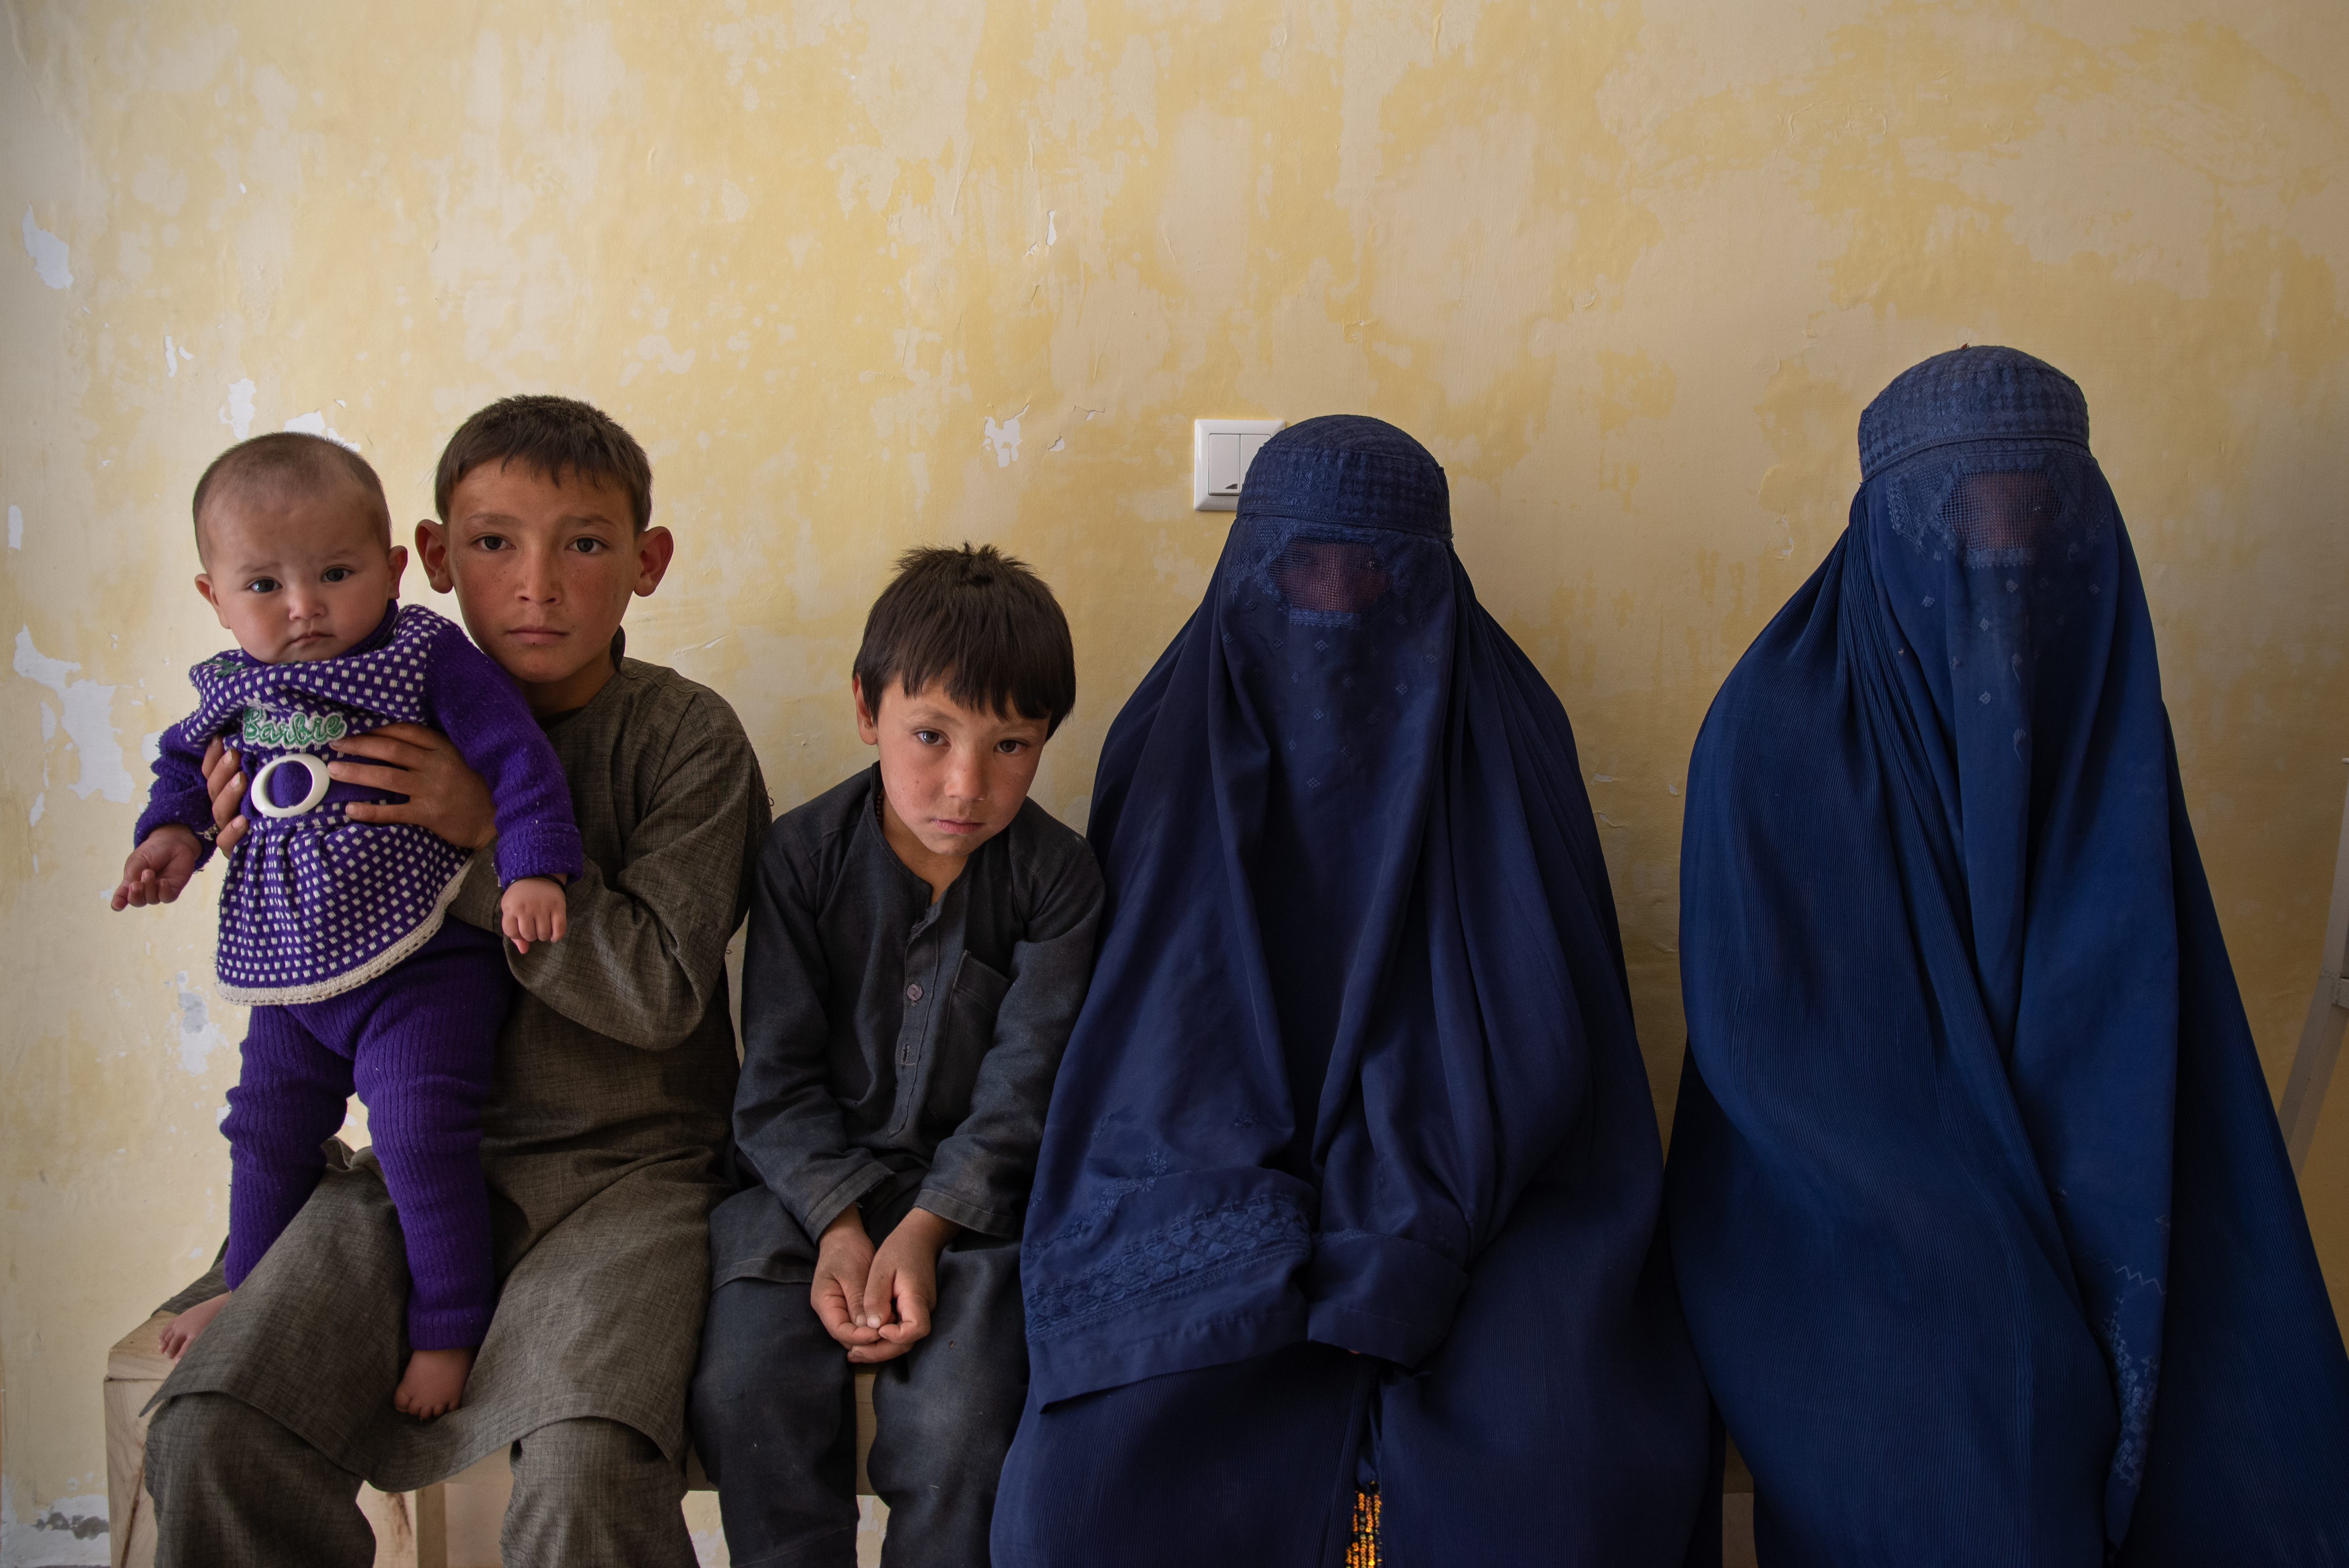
(972, 1003)
(980, 988)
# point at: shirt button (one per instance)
(913, 992)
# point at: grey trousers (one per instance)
(773, 1416)
(233, 1488)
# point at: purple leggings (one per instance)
(417, 1045)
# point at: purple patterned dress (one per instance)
(314, 903)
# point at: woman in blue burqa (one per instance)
(1982, 1218)
(1350, 1183)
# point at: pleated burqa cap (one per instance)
(1969, 395)
(1350, 470)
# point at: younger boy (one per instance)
(332, 928)
(921, 937)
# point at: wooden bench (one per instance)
(412, 1527)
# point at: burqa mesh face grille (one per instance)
(1313, 572)
(1997, 504)
(1339, 635)
(2000, 515)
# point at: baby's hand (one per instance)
(531, 910)
(158, 868)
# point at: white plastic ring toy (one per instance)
(318, 782)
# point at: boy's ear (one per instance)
(656, 547)
(433, 552)
(398, 567)
(204, 587)
(868, 721)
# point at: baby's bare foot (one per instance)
(434, 1382)
(182, 1331)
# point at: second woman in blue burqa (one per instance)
(1982, 1221)
(1351, 1178)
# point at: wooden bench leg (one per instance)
(400, 1523)
(431, 1506)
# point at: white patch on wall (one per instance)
(64, 1531)
(41, 801)
(170, 357)
(199, 1036)
(738, 206)
(656, 347)
(237, 412)
(1002, 440)
(48, 253)
(314, 423)
(15, 528)
(88, 721)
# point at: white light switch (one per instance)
(1221, 451)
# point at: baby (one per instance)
(331, 929)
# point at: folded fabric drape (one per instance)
(1361, 1008)
(1981, 1214)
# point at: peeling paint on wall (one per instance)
(48, 253)
(63, 1532)
(88, 723)
(199, 1036)
(237, 412)
(314, 423)
(1002, 440)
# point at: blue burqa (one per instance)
(1356, 1073)
(1982, 1218)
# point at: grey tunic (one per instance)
(896, 1051)
(603, 1139)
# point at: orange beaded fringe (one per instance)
(1364, 1550)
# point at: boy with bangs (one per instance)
(606, 1113)
(921, 939)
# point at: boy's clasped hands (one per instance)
(877, 1301)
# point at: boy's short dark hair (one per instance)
(980, 621)
(553, 436)
(288, 460)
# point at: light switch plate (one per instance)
(1221, 451)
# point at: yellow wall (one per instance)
(866, 275)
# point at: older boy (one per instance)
(334, 930)
(601, 1133)
(921, 937)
